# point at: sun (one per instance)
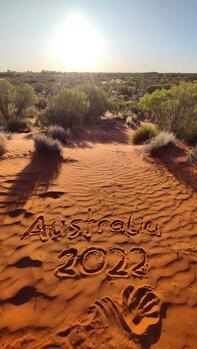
(78, 45)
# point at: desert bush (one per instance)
(41, 119)
(57, 132)
(156, 103)
(125, 89)
(6, 98)
(98, 101)
(154, 87)
(18, 125)
(67, 109)
(188, 133)
(135, 107)
(47, 145)
(160, 141)
(2, 145)
(41, 103)
(143, 134)
(132, 121)
(14, 102)
(116, 105)
(172, 109)
(24, 97)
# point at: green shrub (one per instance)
(41, 119)
(47, 145)
(154, 87)
(24, 97)
(124, 89)
(41, 103)
(116, 105)
(188, 133)
(67, 109)
(162, 140)
(18, 125)
(15, 100)
(6, 98)
(135, 107)
(98, 101)
(172, 109)
(143, 134)
(2, 145)
(57, 132)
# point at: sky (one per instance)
(98, 35)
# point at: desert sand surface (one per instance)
(97, 250)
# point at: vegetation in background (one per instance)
(189, 132)
(143, 134)
(6, 98)
(24, 98)
(68, 108)
(41, 103)
(174, 109)
(15, 101)
(18, 125)
(47, 145)
(154, 87)
(14, 104)
(76, 105)
(98, 101)
(126, 90)
(135, 107)
(168, 100)
(2, 145)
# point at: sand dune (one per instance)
(97, 251)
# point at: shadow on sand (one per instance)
(154, 333)
(34, 180)
(103, 131)
(172, 159)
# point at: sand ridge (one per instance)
(98, 250)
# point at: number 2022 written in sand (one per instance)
(116, 262)
(79, 227)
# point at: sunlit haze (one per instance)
(77, 45)
(98, 35)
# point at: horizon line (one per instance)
(9, 71)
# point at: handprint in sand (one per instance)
(129, 319)
(141, 309)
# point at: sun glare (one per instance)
(77, 45)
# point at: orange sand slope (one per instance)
(97, 251)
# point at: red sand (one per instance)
(121, 275)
